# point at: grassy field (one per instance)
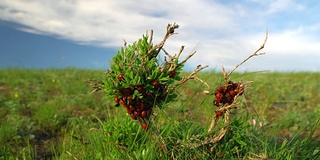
(51, 114)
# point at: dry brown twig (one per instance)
(211, 140)
(256, 53)
(191, 76)
(171, 31)
(226, 108)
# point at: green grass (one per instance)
(51, 114)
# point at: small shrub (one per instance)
(138, 80)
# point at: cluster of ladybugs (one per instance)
(225, 94)
(139, 107)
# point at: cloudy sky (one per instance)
(86, 34)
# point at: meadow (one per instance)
(52, 114)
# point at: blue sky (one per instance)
(27, 50)
(86, 34)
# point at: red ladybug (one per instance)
(137, 114)
(216, 102)
(219, 95)
(120, 77)
(122, 102)
(129, 98)
(220, 89)
(172, 73)
(133, 116)
(219, 113)
(232, 93)
(143, 113)
(144, 126)
(131, 108)
(116, 99)
(155, 84)
(140, 89)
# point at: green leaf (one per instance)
(164, 79)
(176, 61)
(138, 61)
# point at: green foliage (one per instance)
(137, 65)
(137, 80)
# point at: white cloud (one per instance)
(281, 5)
(293, 42)
(112, 21)
(274, 6)
(225, 33)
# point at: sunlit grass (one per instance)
(52, 114)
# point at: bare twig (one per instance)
(191, 76)
(252, 55)
(125, 43)
(226, 108)
(170, 31)
(216, 118)
(151, 37)
(211, 140)
(96, 85)
(180, 51)
(189, 56)
(167, 54)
